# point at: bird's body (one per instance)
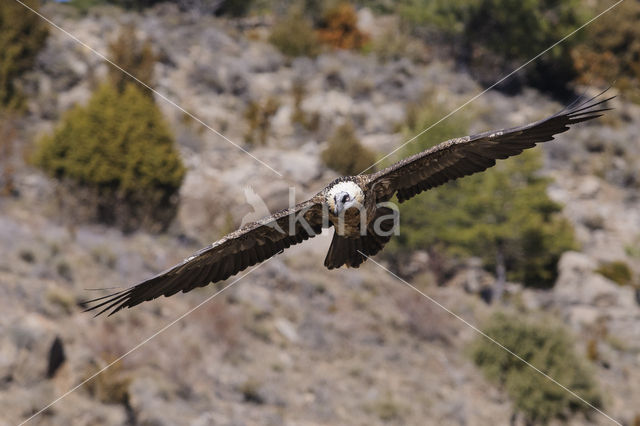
(356, 206)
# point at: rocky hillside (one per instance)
(290, 343)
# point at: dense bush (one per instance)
(134, 56)
(8, 166)
(339, 28)
(294, 35)
(120, 150)
(502, 215)
(548, 348)
(135, 4)
(494, 36)
(611, 49)
(617, 271)
(233, 8)
(85, 5)
(345, 154)
(22, 35)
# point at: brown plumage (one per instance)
(351, 244)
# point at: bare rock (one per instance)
(287, 329)
(588, 187)
(585, 297)
(579, 284)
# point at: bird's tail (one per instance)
(354, 251)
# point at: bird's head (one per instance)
(344, 195)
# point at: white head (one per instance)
(344, 195)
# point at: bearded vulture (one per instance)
(353, 205)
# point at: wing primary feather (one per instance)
(243, 260)
(262, 252)
(84, 302)
(227, 268)
(215, 270)
(111, 298)
(253, 256)
(112, 303)
(580, 120)
(201, 278)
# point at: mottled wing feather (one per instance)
(471, 154)
(235, 252)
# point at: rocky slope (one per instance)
(291, 343)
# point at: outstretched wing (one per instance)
(460, 157)
(235, 252)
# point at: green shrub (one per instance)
(345, 154)
(547, 347)
(120, 149)
(617, 271)
(294, 35)
(234, 8)
(502, 215)
(446, 15)
(134, 56)
(8, 145)
(494, 35)
(83, 6)
(134, 4)
(22, 35)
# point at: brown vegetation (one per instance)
(134, 56)
(339, 28)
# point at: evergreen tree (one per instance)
(120, 147)
(22, 35)
(513, 30)
(546, 346)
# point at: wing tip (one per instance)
(584, 105)
(117, 301)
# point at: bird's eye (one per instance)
(345, 198)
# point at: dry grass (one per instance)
(111, 386)
(258, 115)
(427, 321)
(220, 323)
(62, 298)
(387, 409)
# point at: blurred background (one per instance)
(104, 183)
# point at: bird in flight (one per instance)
(356, 206)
